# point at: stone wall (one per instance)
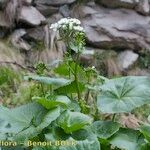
(122, 26)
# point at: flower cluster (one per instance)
(68, 24)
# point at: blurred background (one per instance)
(117, 36)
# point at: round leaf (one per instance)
(105, 129)
(73, 121)
(124, 94)
(47, 80)
(145, 129)
(127, 139)
(84, 145)
(51, 103)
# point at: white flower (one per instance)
(54, 26)
(63, 21)
(64, 26)
(68, 23)
(75, 21)
(93, 67)
(78, 28)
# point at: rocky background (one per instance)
(117, 33)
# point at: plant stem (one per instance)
(51, 89)
(42, 88)
(88, 92)
(113, 118)
(76, 77)
(70, 69)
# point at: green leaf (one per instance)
(22, 116)
(145, 146)
(74, 106)
(71, 88)
(3, 136)
(47, 80)
(68, 69)
(62, 69)
(73, 121)
(26, 134)
(49, 117)
(54, 102)
(56, 134)
(13, 148)
(77, 145)
(83, 145)
(74, 47)
(105, 129)
(83, 134)
(33, 131)
(127, 139)
(124, 94)
(145, 129)
(148, 118)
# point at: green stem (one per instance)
(113, 118)
(76, 77)
(87, 96)
(42, 88)
(51, 89)
(69, 56)
(88, 92)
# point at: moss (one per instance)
(14, 90)
(144, 60)
(100, 60)
(37, 45)
(9, 53)
(9, 81)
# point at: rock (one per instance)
(3, 32)
(64, 10)
(3, 21)
(3, 4)
(38, 37)
(36, 34)
(47, 10)
(54, 18)
(118, 3)
(10, 54)
(31, 16)
(143, 7)
(54, 2)
(105, 62)
(114, 28)
(4, 25)
(126, 59)
(87, 57)
(17, 40)
(138, 72)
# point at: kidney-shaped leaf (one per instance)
(73, 121)
(55, 101)
(71, 88)
(83, 145)
(105, 129)
(75, 145)
(48, 80)
(145, 129)
(49, 117)
(127, 139)
(124, 94)
(21, 117)
(33, 131)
